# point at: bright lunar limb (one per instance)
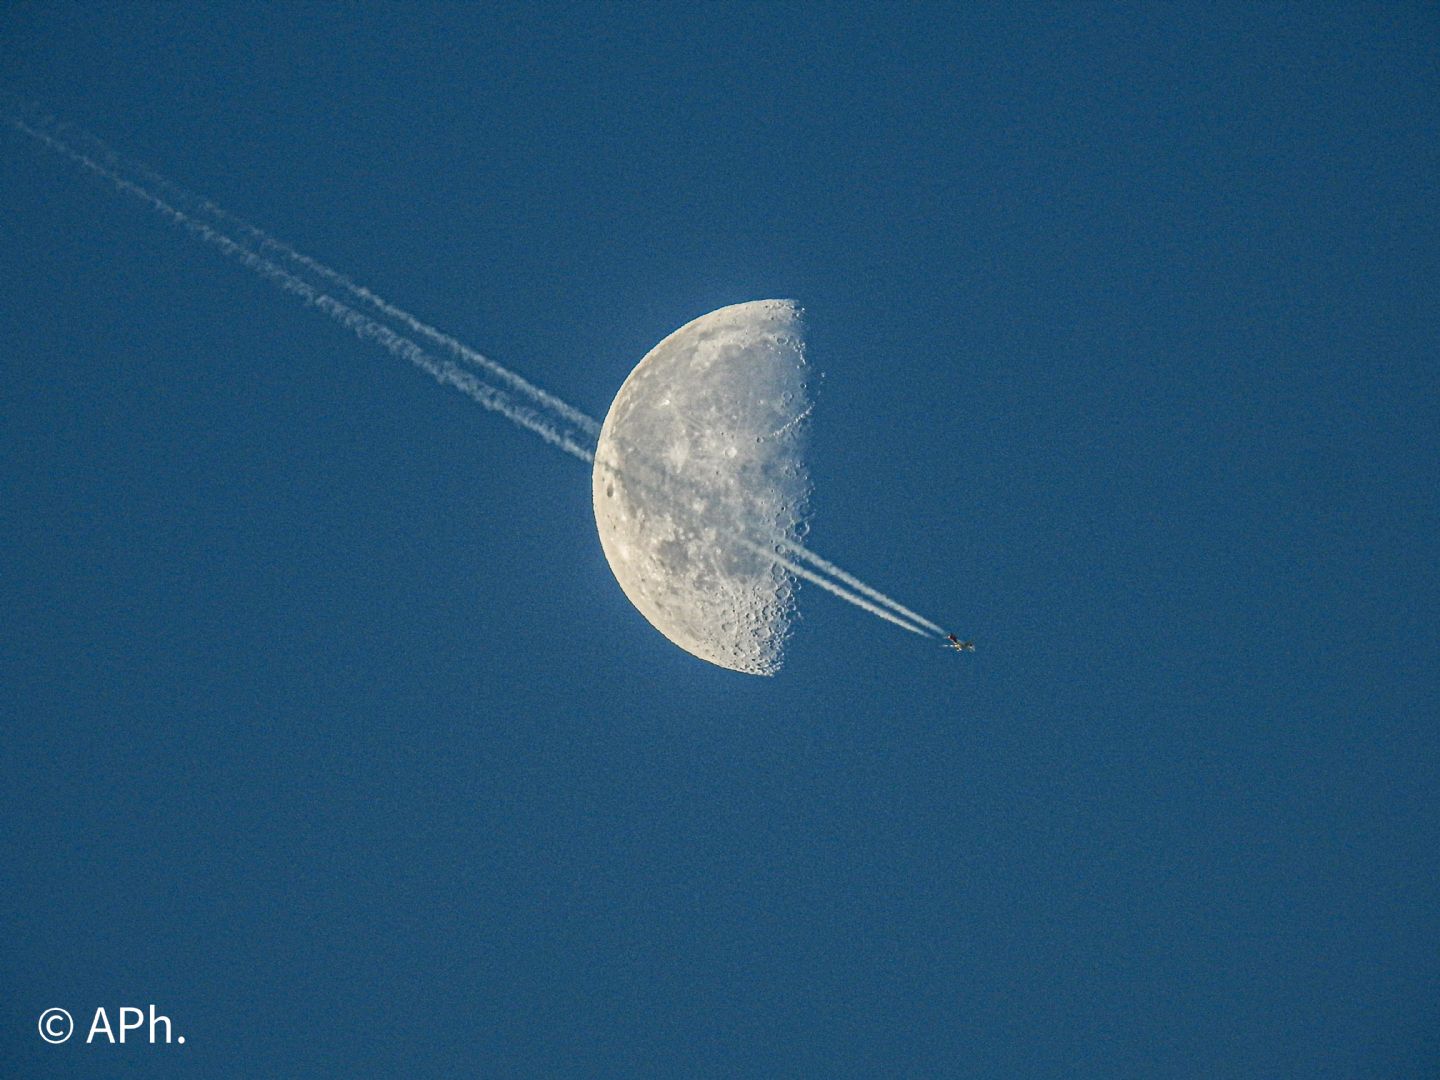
(699, 471)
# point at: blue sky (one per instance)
(327, 729)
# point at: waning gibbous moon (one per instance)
(699, 471)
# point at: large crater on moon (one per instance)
(698, 471)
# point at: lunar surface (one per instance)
(698, 471)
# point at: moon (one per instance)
(698, 471)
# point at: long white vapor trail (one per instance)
(553, 420)
(363, 327)
(831, 587)
(344, 282)
(86, 149)
(855, 583)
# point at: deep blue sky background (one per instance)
(327, 729)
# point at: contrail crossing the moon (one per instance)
(543, 414)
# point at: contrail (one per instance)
(363, 327)
(659, 482)
(830, 586)
(578, 443)
(84, 148)
(855, 583)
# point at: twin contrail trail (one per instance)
(518, 400)
(855, 583)
(362, 326)
(197, 206)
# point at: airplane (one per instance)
(953, 642)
